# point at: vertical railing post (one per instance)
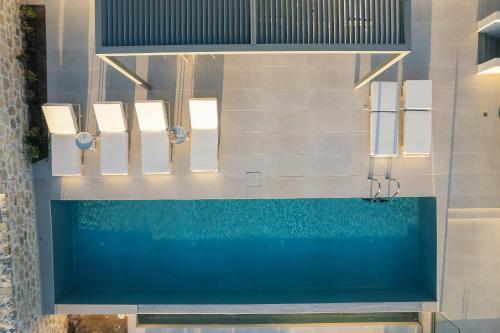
(253, 21)
(407, 22)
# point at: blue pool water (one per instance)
(244, 251)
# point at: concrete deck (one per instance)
(296, 119)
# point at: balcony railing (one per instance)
(443, 325)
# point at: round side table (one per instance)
(84, 140)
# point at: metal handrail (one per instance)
(379, 190)
(389, 178)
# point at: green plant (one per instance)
(31, 153)
(27, 28)
(30, 76)
(26, 11)
(30, 95)
(23, 58)
(36, 145)
(27, 15)
(33, 59)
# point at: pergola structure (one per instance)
(182, 27)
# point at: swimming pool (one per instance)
(265, 251)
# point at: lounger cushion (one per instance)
(110, 117)
(204, 150)
(114, 153)
(155, 149)
(60, 118)
(383, 134)
(417, 132)
(65, 156)
(384, 96)
(417, 94)
(151, 116)
(203, 113)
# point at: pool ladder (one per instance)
(379, 187)
(398, 186)
(376, 197)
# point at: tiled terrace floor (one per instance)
(294, 118)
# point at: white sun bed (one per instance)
(384, 106)
(155, 144)
(204, 134)
(112, 125)
(66, 158)
(417, 124)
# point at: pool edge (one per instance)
(246, 308)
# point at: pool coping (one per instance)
(246, 308)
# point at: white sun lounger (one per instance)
(384, 106)
(155, 144)
(204, 134)
(417, 124)
(112, 125)
(65, 156)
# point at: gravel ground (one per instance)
(96, 324)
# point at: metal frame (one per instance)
(109, 54)
(393, 59)
(120, 67)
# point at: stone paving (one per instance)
(20, 309)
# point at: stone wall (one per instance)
(7, 308)
(20, 309)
